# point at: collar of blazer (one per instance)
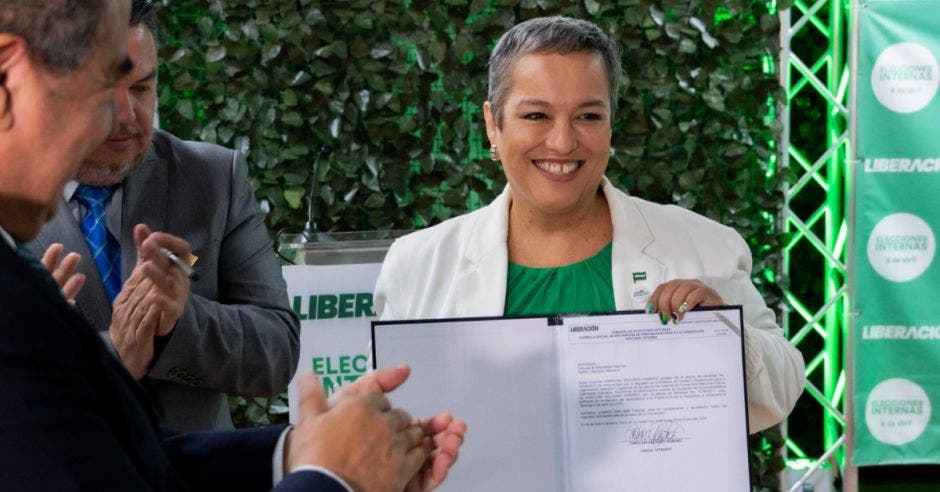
(91, 300)
(146, 198)
(633, 242)
(482, 283)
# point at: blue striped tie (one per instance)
(104, 248)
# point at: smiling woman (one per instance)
(561, 238)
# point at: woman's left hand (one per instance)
(675, 297)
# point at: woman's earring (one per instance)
(494, 153)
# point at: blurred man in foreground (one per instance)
(230, 329)
(71, 417)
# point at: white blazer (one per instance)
(458, 269)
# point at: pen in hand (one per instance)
(178, 263)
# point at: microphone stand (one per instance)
(310, 228)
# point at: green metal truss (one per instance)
(815, 75)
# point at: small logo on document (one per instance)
(901, 247)
(897, 411)
(905, 77)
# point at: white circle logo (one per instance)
(901, 247)
(905, 77)
(897, 411)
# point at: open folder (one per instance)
(587, 403)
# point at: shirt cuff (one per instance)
(277, 459)
(325, 472)
(277, 464)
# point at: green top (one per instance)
(583, 287)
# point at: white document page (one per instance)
(582, 403)
(498, 375)
(655, 407)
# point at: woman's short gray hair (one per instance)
(548, 35)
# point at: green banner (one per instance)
(896, 331)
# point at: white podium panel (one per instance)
(330, 288)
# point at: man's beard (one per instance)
(105, 173)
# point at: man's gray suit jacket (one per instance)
(237, 333)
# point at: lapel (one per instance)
(481, 282)
(91, 300)
(144, 201)
(482, 274)
(632, 235)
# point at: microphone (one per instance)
(311, 227)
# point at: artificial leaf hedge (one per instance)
(394, 88)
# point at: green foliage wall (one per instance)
(395, 89)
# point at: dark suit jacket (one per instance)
(72, 418)
(237, 334)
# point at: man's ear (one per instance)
(12, 51)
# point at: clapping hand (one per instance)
(63, 271)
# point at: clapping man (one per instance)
(228, 330)
(71, 416)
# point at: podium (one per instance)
(330, 279)
(337, 248)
